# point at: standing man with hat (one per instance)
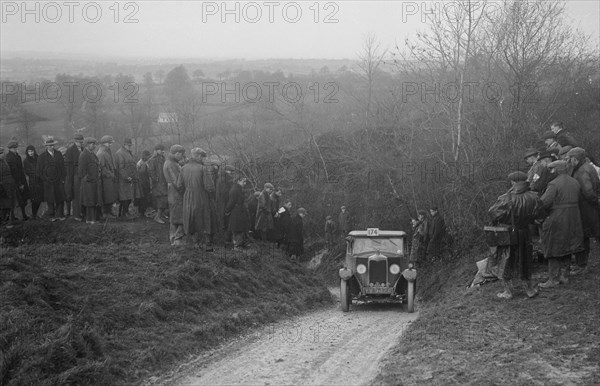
(51, 170)
(8, 191)
(160, 190)
(72, 179)
(88, 169)
(15, 162)
(344, 221)
(562, 233)
(172, 170)
(436, 234)
(108, 175)
(589, 202)
(127, 177)
(239, 222)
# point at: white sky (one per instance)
(177, 29)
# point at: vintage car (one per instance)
(377, 268)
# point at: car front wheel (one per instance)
(345, 297)
(410, 297)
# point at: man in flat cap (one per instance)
(108, 178)
(51, 170)
(72, 179)
(589, 202)
(517, 209)
(127, 177)
(264, 216)
(563, 137)
(160, 191)
(172, 170)
(549, 139)
(199, 212)
(15, 162)
(562, 233)
(562, 153)
(88, 169)
(537, 176)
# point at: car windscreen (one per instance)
(360, 245)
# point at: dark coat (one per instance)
(252, 203)
(562, 233)
(295, 236)
(109, 177)
(36, 188)
(264, 216)
(143, 173)
(281, 224)
(417, 246)
(16, 168)
(344, 222)
(157, 176)
(172, 170)
(125, 169)
(589, 207)
(199, 213)
(239, 220)
(51, 170)
(88, 169)
(71, 169)
(538, 177)
(223, 188)
(564, 138)
(8, 187)
(436, 234)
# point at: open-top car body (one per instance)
(377, 268)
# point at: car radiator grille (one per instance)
(378, 271)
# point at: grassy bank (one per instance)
(116, 304)
(469, 336)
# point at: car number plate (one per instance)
(378, 290)
(372, 231)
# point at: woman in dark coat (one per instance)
(239, 222)
(36, 189)
(88, 169)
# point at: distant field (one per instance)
(51, 123)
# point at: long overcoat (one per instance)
(16, 168)
(51, 170)
(108, 180)
(264, 216)
(223, 188)
(562, 233)
(155, 169)
(7, 186)
(436, 234)
(36, 188)
(295, 236)
(172, 170)
(88, 169)
(72, 179)
(126, 168)
(589, 209)
(239, 220)
(199, 213)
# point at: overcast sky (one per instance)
(264, 29)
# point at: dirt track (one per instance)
(322, 348)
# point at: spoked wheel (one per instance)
(345, 296)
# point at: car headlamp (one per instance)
(394, 269)
(361, 269)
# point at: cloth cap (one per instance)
(422, 212)
(159, 146)
(78, 137)
(434, 208)
(146, 153)
(530, 152)
(50, 141)
(577, 153)
(548, 154)
(12, 144)
(343, 207)
(548, 135)
(89, 140)
(177, 149)
(107, 139)
(303, 211)
(127, 141)
(559, 165)
(328, 218)
(30, 147)
(198, 152)
(269, 185)
(517, 176)
(564, 150)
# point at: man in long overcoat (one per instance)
(562, 233)
(127, 177)
(72, 181)
(344, 221)
(88, 169)
(108, 178)
(252, 203)
(199, 212)
(517, 208)
(264, 215)
(589, 202)
(436, 237)
(51, 170)
(223, 187)
(36, 188)
(172, 170)
(239, 222)
(145, 201)
(8, 190)
(15, 163)
(159, 184)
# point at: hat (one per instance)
(343, 207)
(198, 152)
(559, 165)
(517, 176)
(30, 147)
(159, 146)
(303, 211)
(146, 153)
(577, 153)
(433, 207)
(78, 137)
(548, 154)
(548, 135)
(50, 141)
(564, 150)
(127, 141)
(12, 144)
(177, 149)
(328, 218)
(421, 212)
(530, 152)
(107, 139)
(269, 185)
(89, 140)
